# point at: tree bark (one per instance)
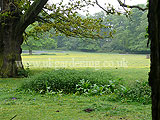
(10, 47)
(154, 75)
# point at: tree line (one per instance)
(129, 35)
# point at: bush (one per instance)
(66, 80)
(138, 92)
(88, 82)
(87, 88)
(24, 72)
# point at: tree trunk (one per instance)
(12, 25)
(154, 75)
(10, 47)
(30, 51)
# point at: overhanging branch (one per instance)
(100, 6)
(130, 6)
(30, 15)
(122, 5)
(43, 20)
(108, 11)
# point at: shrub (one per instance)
(88, 82)
(24, 72)
(138, 92)
(66, 80)
(86, 88)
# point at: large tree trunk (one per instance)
(10, 47)
(154, 36)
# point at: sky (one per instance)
(95, 9)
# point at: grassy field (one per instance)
(82, 60)
(131, 67)
(29, 106)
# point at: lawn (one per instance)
(82, 60)
(31, 106)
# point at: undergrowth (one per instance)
(87, 82)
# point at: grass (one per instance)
(66, 107)
(71, 107)
(81, 60)
(131, 67)
(130, 75)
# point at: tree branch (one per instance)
(30, 15)
(108, 11)
(43, 20)
(122, 5)
(101, 6)
(131, 6)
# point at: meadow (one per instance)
(131, 67)
(82, 59)
(21, 105)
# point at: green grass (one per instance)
(130, 75)
(131, 67)
(81, 60)
(40, 107)
(45, 107)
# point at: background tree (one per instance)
(35, 40)
(128, 38)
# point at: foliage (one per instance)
(138, 92)
(24, 72)
(61, 16)
(66, 80)
(62, 19)
(86, 88)
(129, 36)
(38, 40)
(88, 82)
(130, 33)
